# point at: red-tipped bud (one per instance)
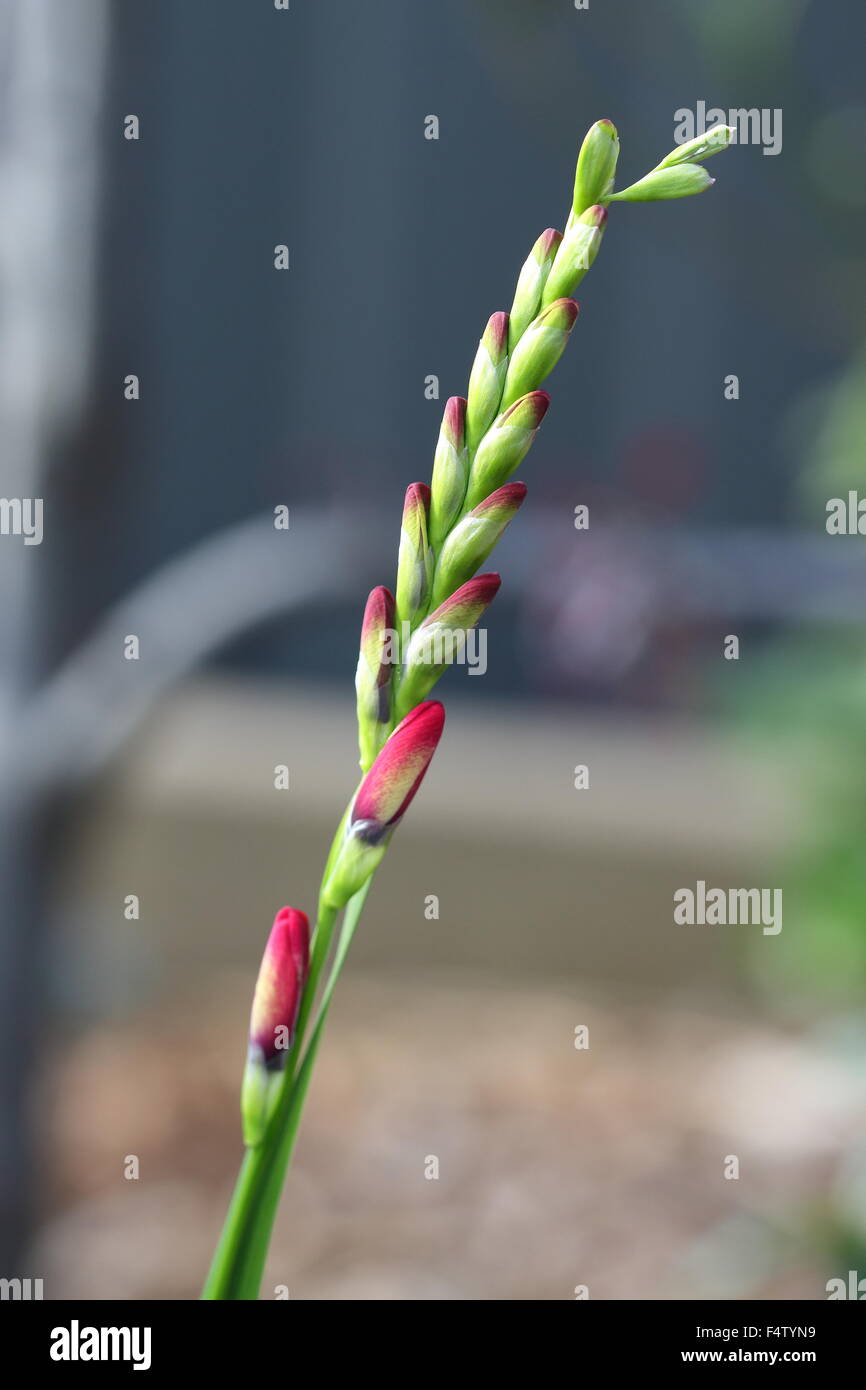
(473, 538)
(527, 413)
(547, 245)
(486, 379)
(386, 792)
(580, 246)
(374, 671)
(450, 471)
(505, 445)
(454, 422)
(276, 1004)
(501, 505)
(464, 608)
(561, 314)
(495, 336)
(594, 217)
(441, 639)
(382, 800)
(531, 282)
(539, 349)
(415, 562)
(280, 985)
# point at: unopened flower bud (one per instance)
(531, 282)
(486, 379)
(440, 641)
(450, 471)
(415, 562)
(373, 675)
(381, 801)
(505, 445)
(473, 538)
(276, 1004)
(596, 166)
(539, 350)
(701, 148)
(580, 246)
(675, 181)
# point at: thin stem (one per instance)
(240, 1256)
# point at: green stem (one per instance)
(240, 1256)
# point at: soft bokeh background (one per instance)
(453, 1037)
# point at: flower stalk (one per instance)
(448, 531)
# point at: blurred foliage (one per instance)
(829, 431)
(807, 702)
(743, 31)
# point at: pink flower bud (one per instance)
(373, 674)
(381, 801)
(280, 985)
(397, 773)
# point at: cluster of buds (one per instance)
(447, 532)
(680, 174)
(450, 528)
(276, 1005)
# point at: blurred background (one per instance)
(144, 847)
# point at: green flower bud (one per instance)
(596, 166)
(473, 538)
(699, 149)
(441, 638)
(486, 379)
(450, 471)
(505, 445)
(373, 676)
(415, 562)
(539, 350)
(530, 283)
(676, 181)
(580, 246)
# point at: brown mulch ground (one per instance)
(557, 1167)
